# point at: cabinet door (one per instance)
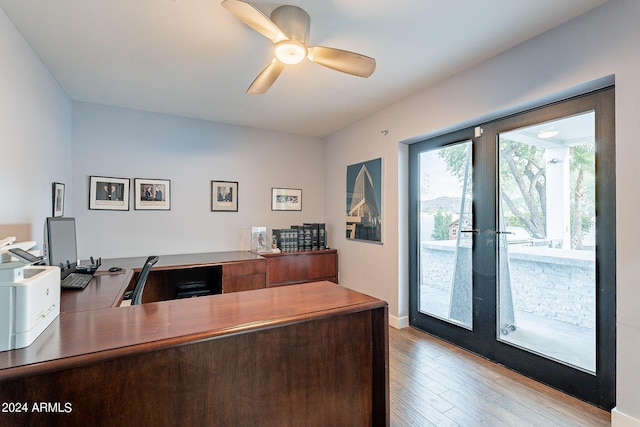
(303, 267)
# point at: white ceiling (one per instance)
(192, 58)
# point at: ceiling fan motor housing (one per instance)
(293, 21)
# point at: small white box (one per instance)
(29, 302)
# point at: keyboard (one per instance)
(76, 281)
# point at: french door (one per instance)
(512, 243)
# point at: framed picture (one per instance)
(259, 240)
(224, 196)
(286, 199)
(364, 201)
(108, 193)
(152, 194)
(58, 199)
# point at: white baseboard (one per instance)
(399, 322)
(620, 419)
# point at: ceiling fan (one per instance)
(288, 29)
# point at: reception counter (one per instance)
(307, 354)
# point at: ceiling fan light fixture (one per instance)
(546, 134)
(290, 52)
(288, 29)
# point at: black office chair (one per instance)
(142, 279)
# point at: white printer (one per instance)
(29, 302)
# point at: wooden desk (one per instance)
(309, 354)
(239, 270)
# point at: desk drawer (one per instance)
(244, 276)
(243, 283)
(244, 268)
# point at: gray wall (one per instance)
(35, 133)
(553, 284)
(124, 143)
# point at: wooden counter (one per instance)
(309, 354)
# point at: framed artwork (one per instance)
(286, 199)
(224, 196)
(58, 199)
(108, 193)
(152, 194)
(364, 201)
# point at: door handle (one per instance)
(498, 232)
(475, 230)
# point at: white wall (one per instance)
(124, 143)
(35, 133)
(582, 53)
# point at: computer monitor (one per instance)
(60, 244)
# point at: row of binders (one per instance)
(305, 237)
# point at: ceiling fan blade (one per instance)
(255, 19)
(342, 60)
(265, 79)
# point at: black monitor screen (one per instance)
(61, 250)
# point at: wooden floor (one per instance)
(433, 383)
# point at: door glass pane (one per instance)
(445, 279)
(546, 240)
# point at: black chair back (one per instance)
(142, 279)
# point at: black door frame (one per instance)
(598, 389)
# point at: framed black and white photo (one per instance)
(286, 199)
(109, 193)
(224, 196)
(58, 199)
(152, 194)
(364, 201)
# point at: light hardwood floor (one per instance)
(433, 383)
